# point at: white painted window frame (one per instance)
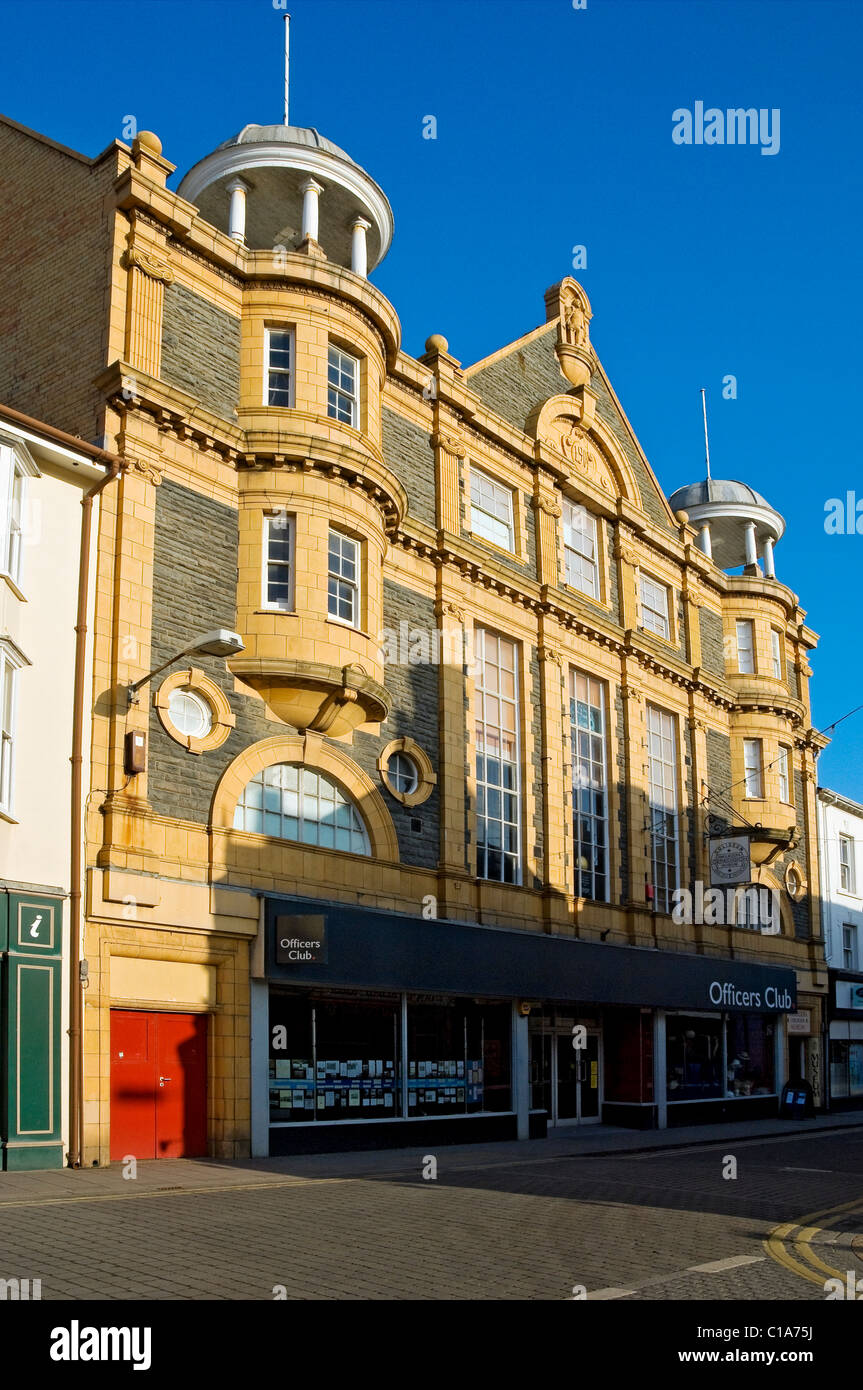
(289, 372)
(287, 526)
(356, 584)
(745, 633)
(575, 561)
(753, 767)
(352, 396)
(649, 609)
(500, 494)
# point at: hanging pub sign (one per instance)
(301, 940)
(730, 859)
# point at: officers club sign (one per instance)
(301, 940)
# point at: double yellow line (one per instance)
(816, 1271)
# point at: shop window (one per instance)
(333, 1059)
(580, 552)
(279, 344)
(693, 1058)
(291, 802)
(662, 775)
(751, 1056)
(458, 1058)
(498, 811)
(846, 1069)
(589, 789)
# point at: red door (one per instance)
(158, 1085)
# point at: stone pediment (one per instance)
(560, 428)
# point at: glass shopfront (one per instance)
(846, 1069)
(719, 1056)
(339, 1057)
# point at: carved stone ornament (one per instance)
(629, 692)
(567, 436)
(150, 471)
(551, 654)
(149, 264)
(549, 505)
(448, 609)
(450, 443)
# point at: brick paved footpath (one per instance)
(623, 1214)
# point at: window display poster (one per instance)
(353, 1096)
(283, 1070)
(354, 1068)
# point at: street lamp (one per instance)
(219, 642)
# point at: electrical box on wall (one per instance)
(136, 751)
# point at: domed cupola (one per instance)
(286, 186)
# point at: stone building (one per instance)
(406, 864)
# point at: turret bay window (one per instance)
(589, 786)
(662, 776)
(278, 568)
(290, 802)
(752, 764)
(776, 653)
(580, 549)
(745, 647)
(343, 384)
(784, 774)
(279, 344)
(343, 586)
(498, 789)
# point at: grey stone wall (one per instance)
(718, 766)
(514, 384)
(613, 584)
(201, 350)
(793, 678)
(407, 451)
(710, 626)
(415, 693)
(195, 588)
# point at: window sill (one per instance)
(10, 583)
(10, 819)
(499, 549)
(282, 612)
(351, 627)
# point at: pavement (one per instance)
(755, 1210)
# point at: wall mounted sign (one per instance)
(800, 1022)
(730, 860)
(301, 940)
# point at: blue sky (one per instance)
(554, 130)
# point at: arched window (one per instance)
(294, 803)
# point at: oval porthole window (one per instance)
(189, 713)
(402, 773)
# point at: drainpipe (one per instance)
(76, 1060)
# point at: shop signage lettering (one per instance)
(301, 940)
(731, 997)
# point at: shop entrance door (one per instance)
(566, 1080)
(158, 1085)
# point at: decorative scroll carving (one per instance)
(149, 264)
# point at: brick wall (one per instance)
(201, 350)
(54, 280)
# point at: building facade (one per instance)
(413, 864)
(840, 841)
(47, 549)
